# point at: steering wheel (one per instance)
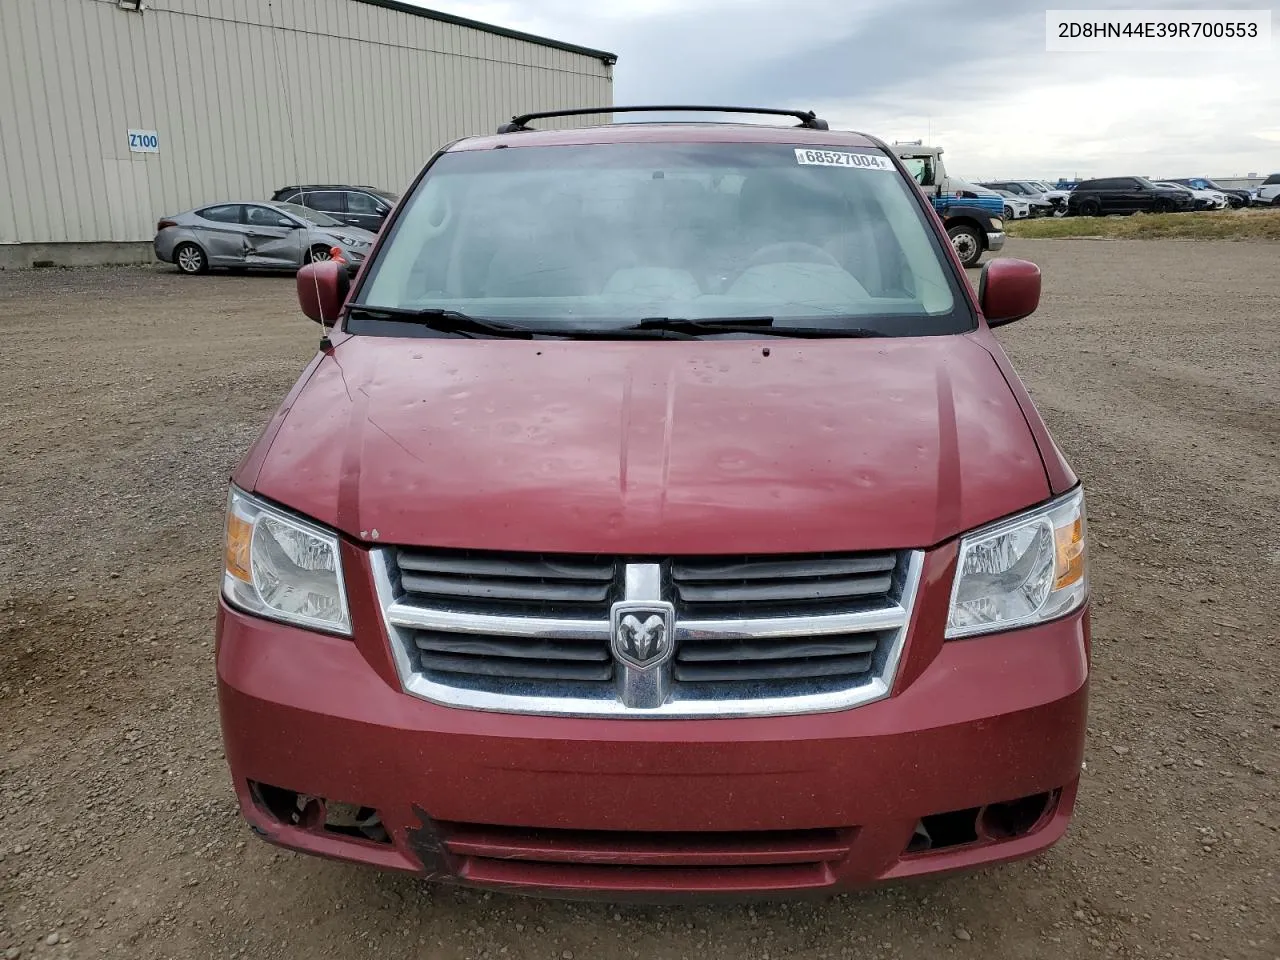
(792, 251)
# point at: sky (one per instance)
(971, 77)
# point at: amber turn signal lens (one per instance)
(239, 537)
(1069, 547)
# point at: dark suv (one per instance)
(1093, 198)
(363, 207)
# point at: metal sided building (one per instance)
(114, 113)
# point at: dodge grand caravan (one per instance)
(659, 517)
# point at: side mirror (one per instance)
(1008, 290)
(323, 289)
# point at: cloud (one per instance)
(974, 78)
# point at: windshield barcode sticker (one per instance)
(833, 158)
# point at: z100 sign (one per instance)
(144, 141)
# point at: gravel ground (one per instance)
(128, 396)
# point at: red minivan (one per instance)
(659, 517)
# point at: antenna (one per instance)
(325, 342)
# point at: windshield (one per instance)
(920, 168)
(599, 237)
(311, 216)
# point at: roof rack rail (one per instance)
(807, 118)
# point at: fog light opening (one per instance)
(289, 806)
(318, 815)
(942, 830)
(352, 820)
(1017, 818)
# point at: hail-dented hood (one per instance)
(664, 447)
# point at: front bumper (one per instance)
(649, 809)
(995, 240)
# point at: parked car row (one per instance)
(1235, 198)
(1118, 195)
(1047, 200)
(300, 225)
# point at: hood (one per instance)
(685, 447)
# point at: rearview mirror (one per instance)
(323, 289)
(1008, 290)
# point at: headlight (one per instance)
(1022, 571)
(283, 568)
(997, 224)
(350, 241)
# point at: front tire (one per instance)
(967, 244)
(319, 254)
(1162, 206)
(1008, 213)
(1090, 208)
(190, 259)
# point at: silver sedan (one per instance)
(267, 235)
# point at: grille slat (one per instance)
(759, 569)
(516, 669)
(775, 670)
(513, 647)
(481, 588)
(645, 849)
(693, 652)
(470, 565)
(754, 592)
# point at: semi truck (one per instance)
(971, 214)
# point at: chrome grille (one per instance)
(530, 633)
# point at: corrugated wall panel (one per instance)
(247, 96)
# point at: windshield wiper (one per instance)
(765, 325)
(447, 321)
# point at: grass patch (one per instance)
(1257, 224)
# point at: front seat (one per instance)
(552, 259)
